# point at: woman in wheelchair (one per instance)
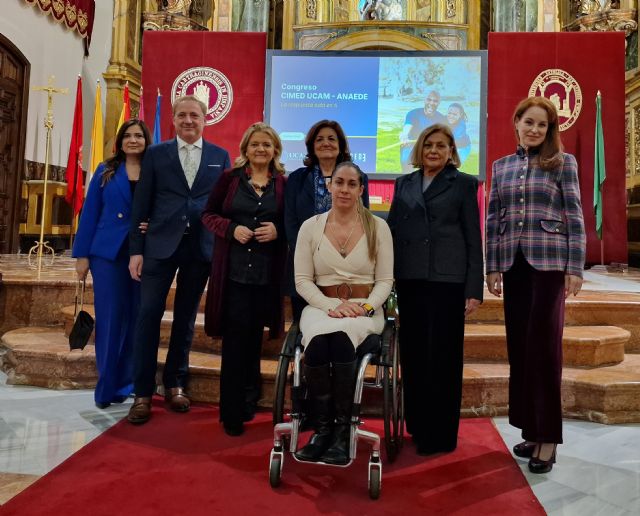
(344, 270)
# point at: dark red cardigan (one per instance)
(214, 218)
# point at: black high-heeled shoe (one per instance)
(524, 449)
(538, 465)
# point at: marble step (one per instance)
(583, 346)
(586, 346)
(610, 394)
(590, 307)
(201, 341)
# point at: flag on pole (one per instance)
(157, 134)
(75, 190)
(125, 113)
(141, 106)
(97, 136)
(599, 173)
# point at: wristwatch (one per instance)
(368, 309)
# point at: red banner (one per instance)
(225, 70)
(568, 68)
(75, 189)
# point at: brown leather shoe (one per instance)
(177, 400)
(140, 411)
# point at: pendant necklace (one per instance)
(342, 246)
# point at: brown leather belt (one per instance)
(347, 291)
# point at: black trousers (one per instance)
(431, 344)
(245, 318)
(534, 319)
(157, 277)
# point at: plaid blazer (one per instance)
(538, 210)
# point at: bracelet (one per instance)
(368, 309)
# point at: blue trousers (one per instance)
(116, 302)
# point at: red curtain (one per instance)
(75, 14)
(595, 60)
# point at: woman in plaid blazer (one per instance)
(536, 246)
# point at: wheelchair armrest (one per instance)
(291, 340)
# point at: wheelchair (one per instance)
(379, 351)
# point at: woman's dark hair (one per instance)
(368, 222)
(111, 164)
(460, 108)
(550, 154)
(343, 146)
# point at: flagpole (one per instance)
(599, 176)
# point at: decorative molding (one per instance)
(315, 41)
(443, 41)
(636, 138)
(451, 8)
(312, 9)
(627, 143)
(612, 20)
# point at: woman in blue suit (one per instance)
(102, 246)
(307, 193)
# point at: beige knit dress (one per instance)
(318, 262)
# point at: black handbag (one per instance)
(83, 324)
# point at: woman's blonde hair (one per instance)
(260, 127)
(367, 218)
(416, 153)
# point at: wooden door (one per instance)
(14, 78)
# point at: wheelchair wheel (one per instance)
(282, 374)
(275, 470)
(375, 482)
(393, 405)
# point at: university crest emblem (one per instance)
(563, 91)
(210, 86)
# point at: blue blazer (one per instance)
(106, 215)
(164, 199)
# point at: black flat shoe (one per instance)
(102, 406)
(538, 465)
(524, 449)
(233, 429)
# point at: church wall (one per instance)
(52, 49)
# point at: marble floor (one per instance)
(598, 470)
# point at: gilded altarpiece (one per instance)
(382, 24)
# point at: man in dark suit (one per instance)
(177, 176)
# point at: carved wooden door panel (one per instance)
(12, 119)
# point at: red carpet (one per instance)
(184, 464)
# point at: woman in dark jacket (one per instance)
(307, 191)
(435, 223)
(244, 212)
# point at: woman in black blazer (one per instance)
(307, 192)
(435, 223)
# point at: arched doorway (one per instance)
(14, 97)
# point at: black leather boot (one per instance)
(343, 384)
(319, 386)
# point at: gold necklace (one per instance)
(342, 246)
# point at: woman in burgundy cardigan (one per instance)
(245, 214)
